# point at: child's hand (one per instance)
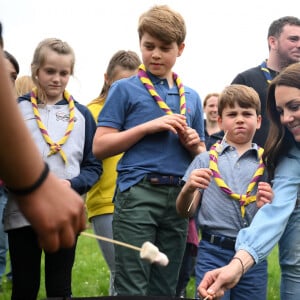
(264, 194)
(174, 123)
(199, 179)
(190, 139)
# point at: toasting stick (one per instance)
(148, 251)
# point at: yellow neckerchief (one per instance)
(161, 103)
(244, 199)
(55, 147)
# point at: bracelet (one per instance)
(243, 268)
(28, 190)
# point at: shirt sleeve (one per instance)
(270, 221)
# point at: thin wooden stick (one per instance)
(192, 201)
(206, 298)
(99, 237)
(221, 145)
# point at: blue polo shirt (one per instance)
(129, 104)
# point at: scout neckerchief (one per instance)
(244, 199)
(266, 71)
(161, 103)
(55, 147)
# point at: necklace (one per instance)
(55, 147)
(161, 103)
(244, 199)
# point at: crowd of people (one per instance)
(200, 181)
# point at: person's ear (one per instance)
(105, 78)
(180, 49)
(273, 42)
(258, 122)
(220, 122)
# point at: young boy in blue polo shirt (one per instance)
(158, 124)
(227, 182)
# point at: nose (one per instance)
(56, 77)
(156, 54)
(240, 118)
(286, 117)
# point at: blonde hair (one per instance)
(24, 85)
(40, 55)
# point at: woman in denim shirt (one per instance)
(279, 221)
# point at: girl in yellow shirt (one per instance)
(99, 199)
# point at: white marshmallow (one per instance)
(161, 259)
(151, 253)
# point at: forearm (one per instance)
(109, 142)
(246, 259)
(17, 170)
(187, 202)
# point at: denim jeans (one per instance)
(3, 235)
(102, 225)
(289, 257)
(253, 284)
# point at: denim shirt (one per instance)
(271, 220)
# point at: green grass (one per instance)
(91, 277)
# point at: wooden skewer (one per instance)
(192, 202)
(190, 205)
(99, 237)
(223, 140)
(206, 298)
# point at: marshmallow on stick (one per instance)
(148, 251)
(152, 254)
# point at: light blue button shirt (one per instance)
(271, 220)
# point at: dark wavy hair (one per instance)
(279, 139)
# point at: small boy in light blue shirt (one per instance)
(228, 183)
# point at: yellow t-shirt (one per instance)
(99, 197)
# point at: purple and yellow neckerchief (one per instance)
(161, 103)
(266, 71)
(244, 199)
(55, 147)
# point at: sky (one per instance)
(224, 37)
